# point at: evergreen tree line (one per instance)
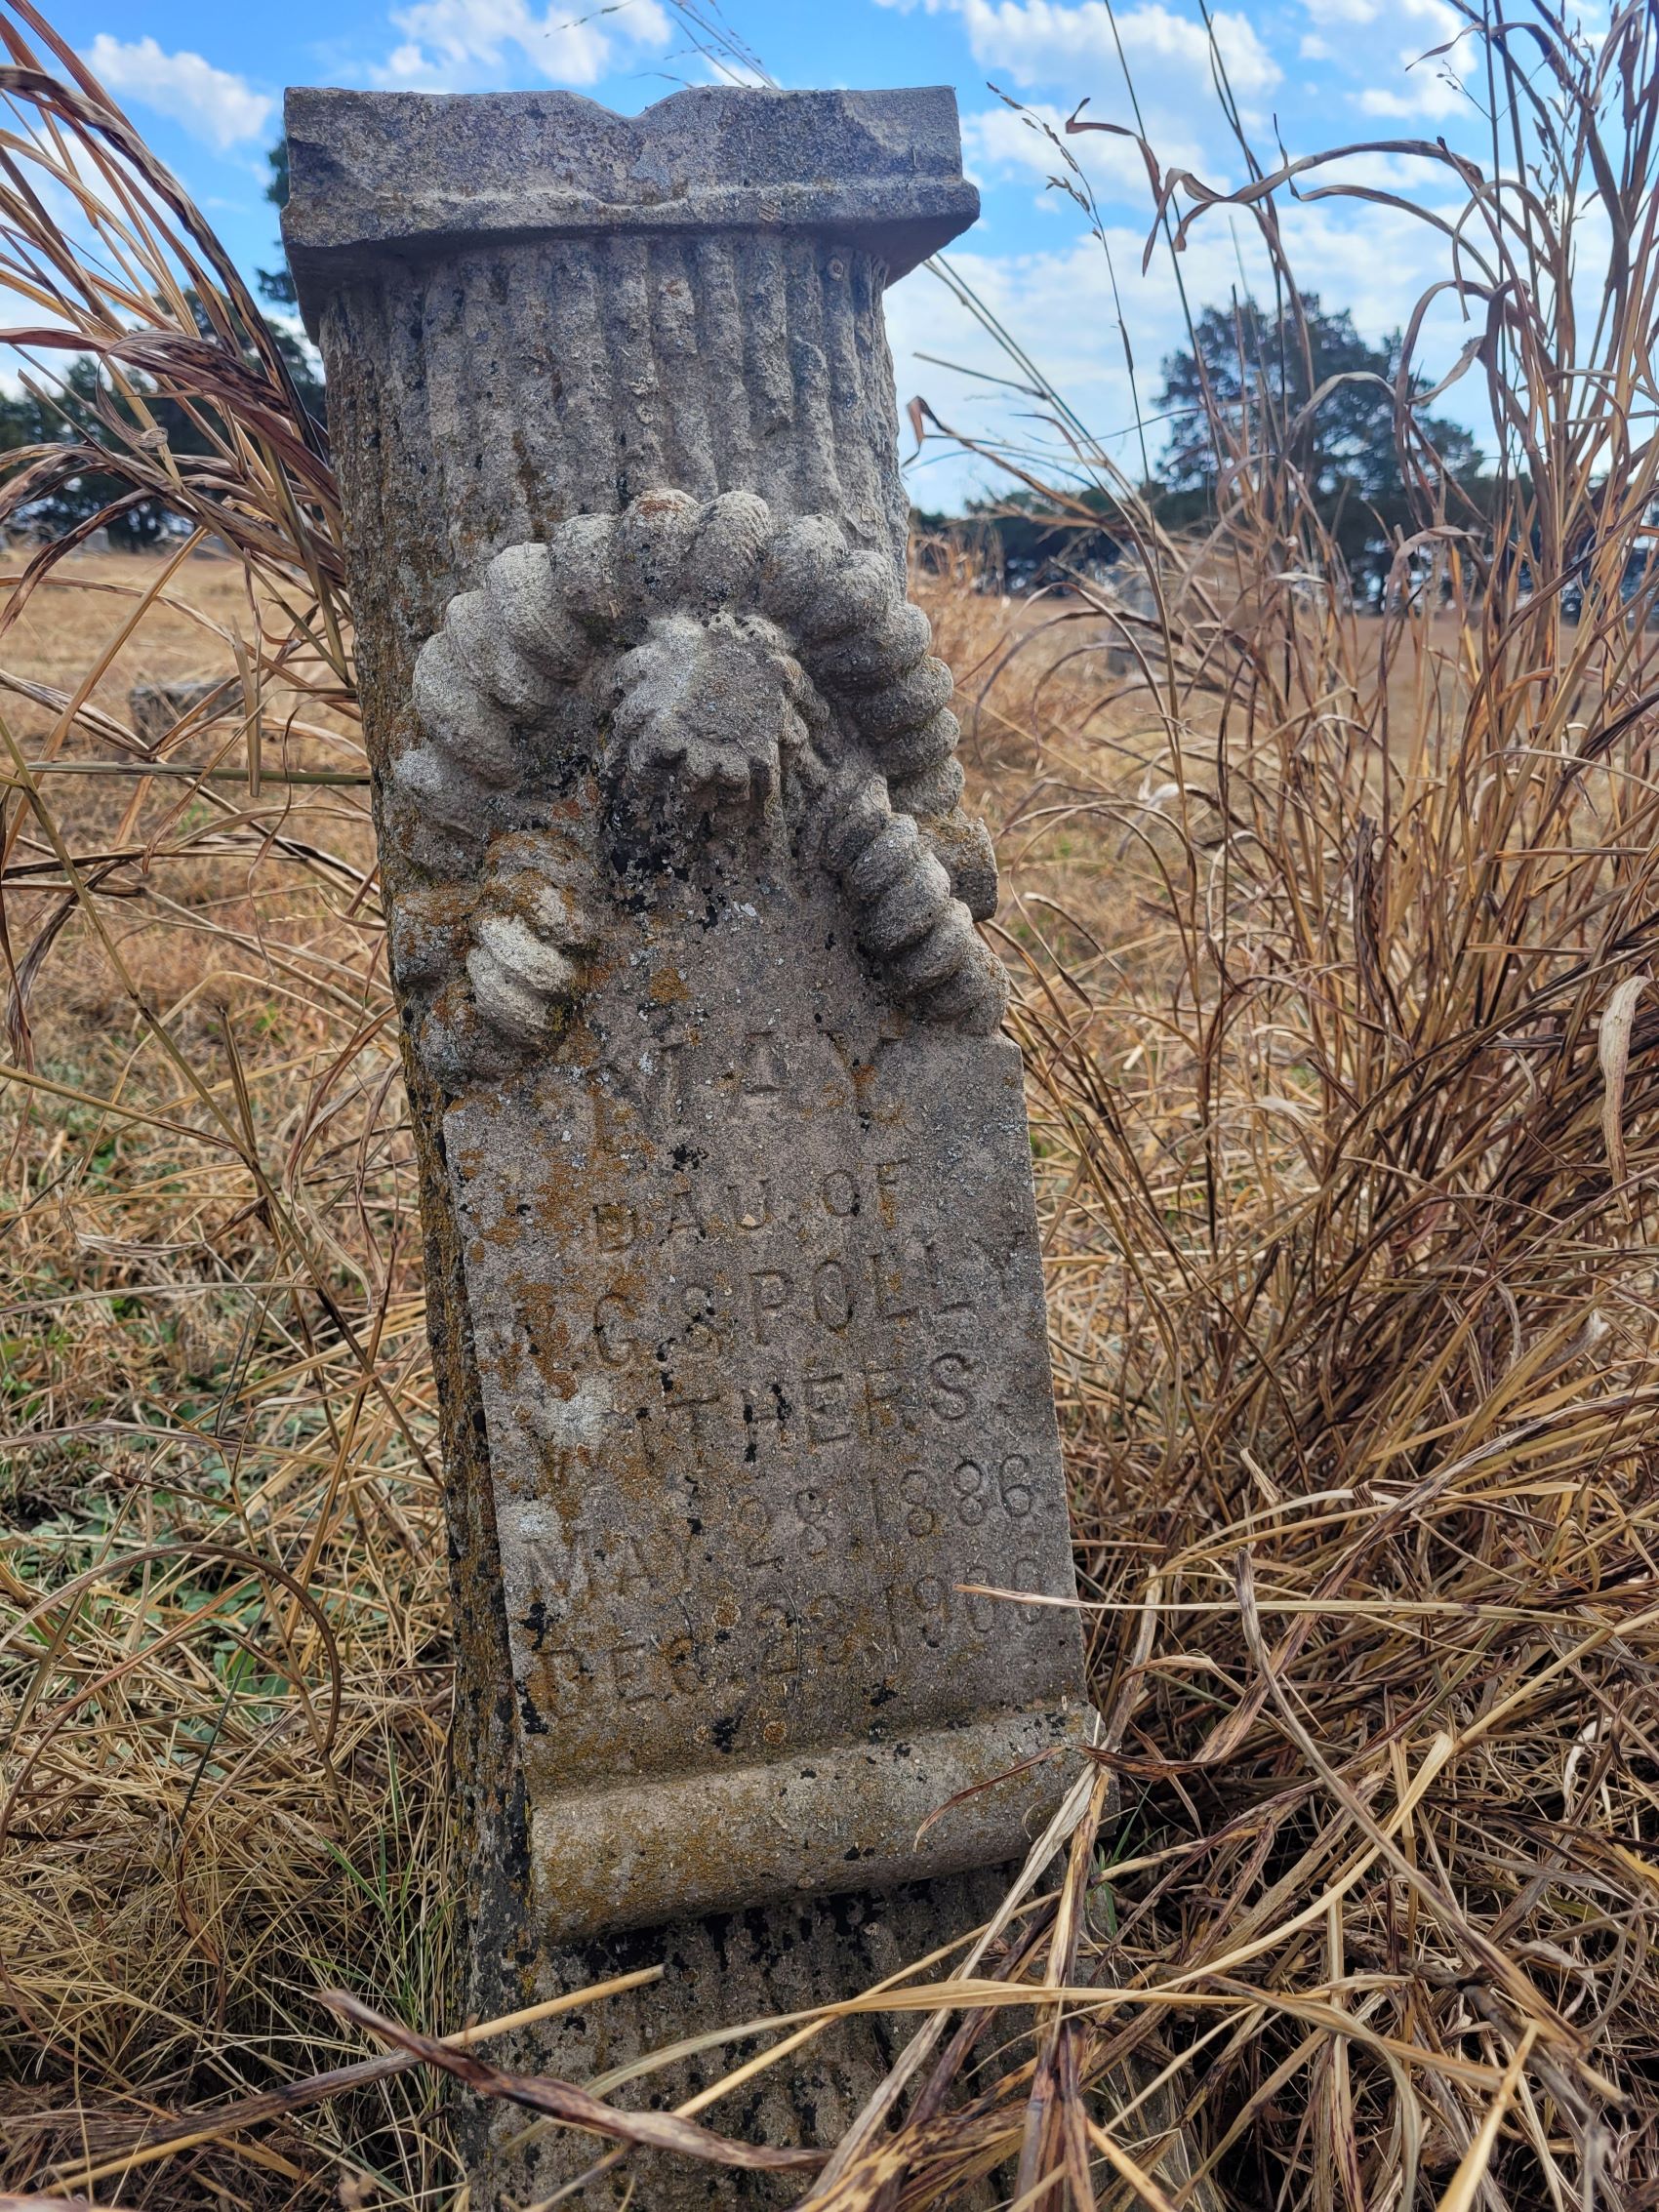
(1295, 387)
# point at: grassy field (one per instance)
(1334, 934)
(224, 1781)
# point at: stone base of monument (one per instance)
(759, 1964)
(721, 1971)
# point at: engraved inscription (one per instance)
(778, 1387)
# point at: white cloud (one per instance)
(451, 44)
(1046, 42)
(1434, 92)
(212, 104)
(1429, 81)
(1001, 143)
(1435, 16)
(1415, 181)
(1073, 47)
(998, 142)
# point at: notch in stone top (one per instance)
(372, 174)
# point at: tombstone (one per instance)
(732, 1258)
(157, 709)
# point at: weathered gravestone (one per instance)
(156, 708)
(732, 1257)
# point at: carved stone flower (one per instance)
(708, 711)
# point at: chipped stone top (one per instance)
(373, 172)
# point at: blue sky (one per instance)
(205, 82)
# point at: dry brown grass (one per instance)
(225, 1634)
(1336, 933)
(1344, 1105)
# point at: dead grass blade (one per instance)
(575, 2107)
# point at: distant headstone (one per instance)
(158, 707)
(733, 1263)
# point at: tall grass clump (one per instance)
(1336, 922)
(224, 1670)
(1338, 926)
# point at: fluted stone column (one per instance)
(732, 1261)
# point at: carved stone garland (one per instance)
(736, 667)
